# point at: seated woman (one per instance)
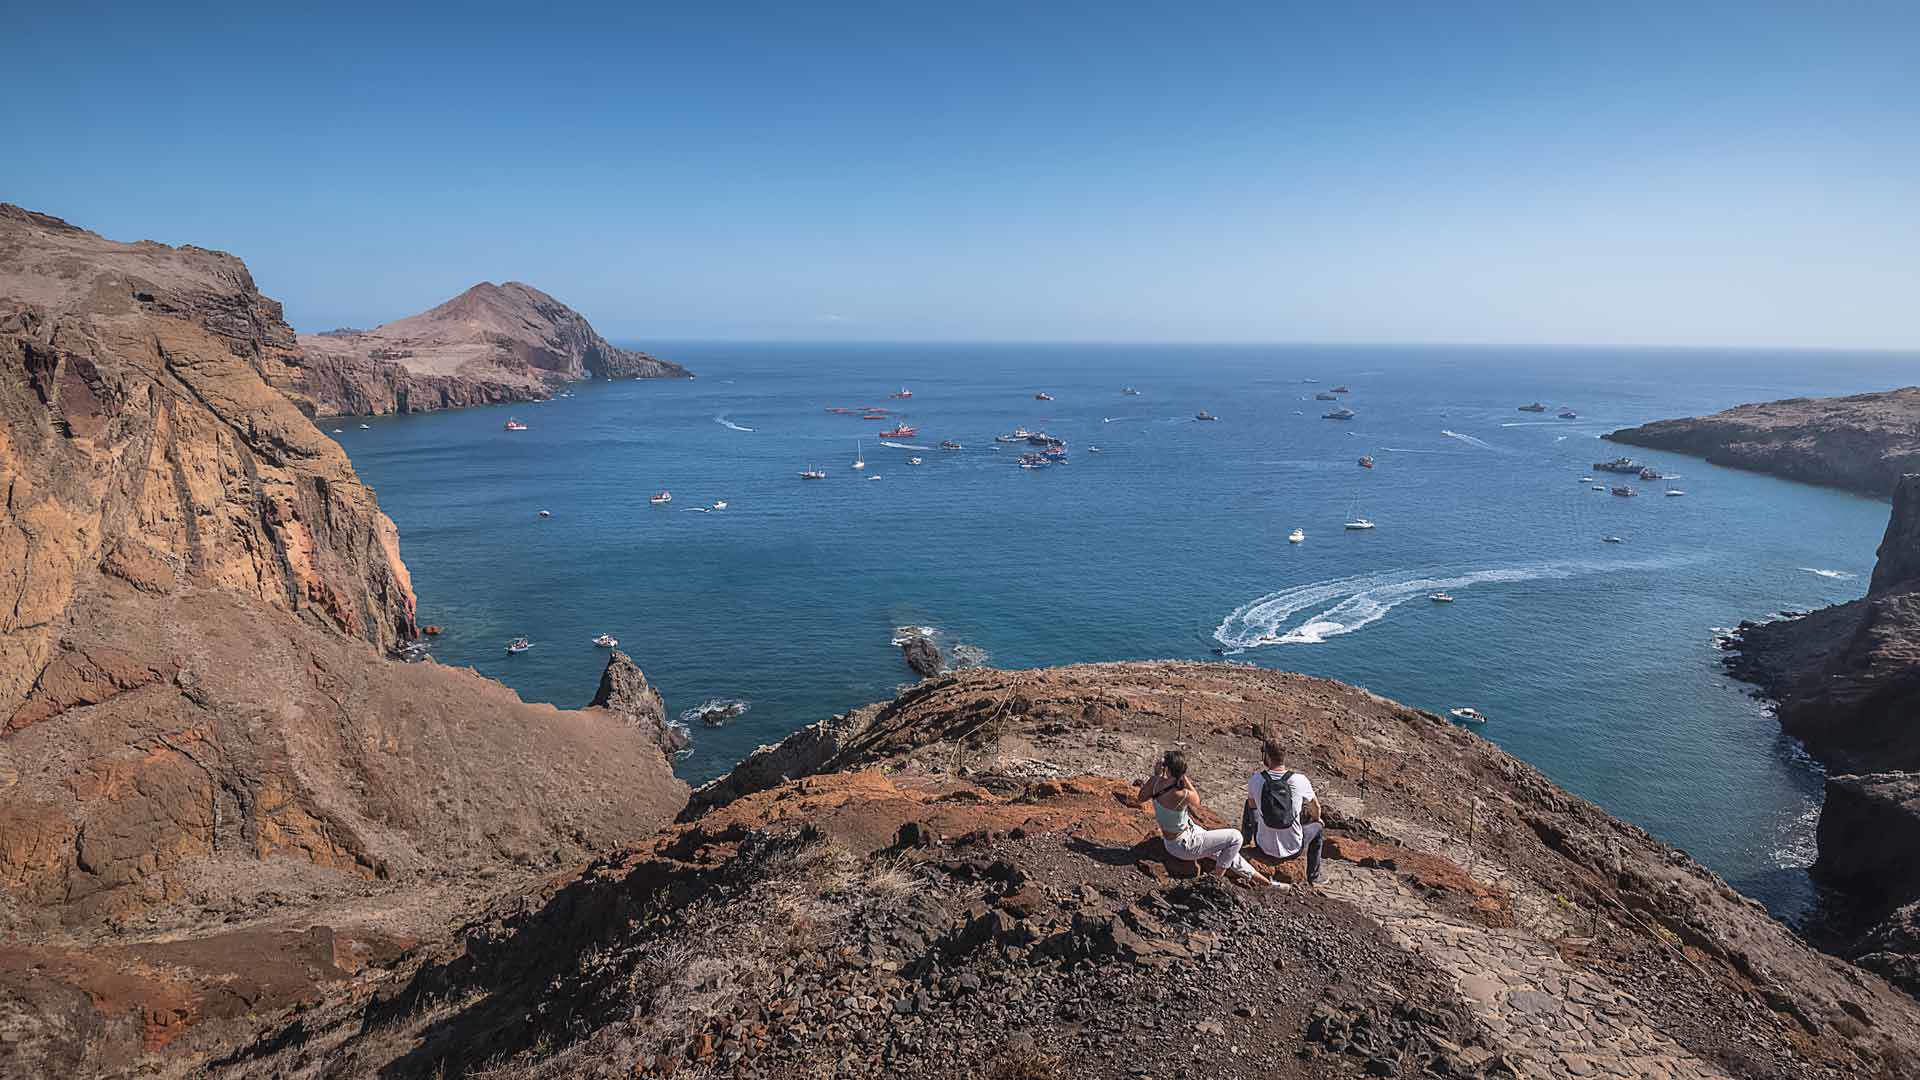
(1175, 800)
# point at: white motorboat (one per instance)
(662, 499)
(519, 645)
(1440, 597)
(337, 431)
(1674, 492)
(720, 504)
(606, 641)
(366, 427)
(1613, 539)
(1468, 714)
(1297, 536)
(546, 513)
(1586, 479)
(913, 461)
(1359, 524)
(875, 476)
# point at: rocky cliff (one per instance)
(1862, 443)
(491, 344)
(200, 731)
(1847, 680)
(953, 884)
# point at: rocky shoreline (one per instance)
(1862, 443)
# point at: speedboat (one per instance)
(1535, 407)
(1359, 524)
(949, 444)
(1296, 536)
(519, 645)
(1366, 461)
(1586, 479)
(337, 431)
(662, 499)
(1674, 493)
(546, 513)
(913, 461)
(1569, 414)
(1613, 539)
(1129, 391)
(720, 504)
(1204, 415)
(813, 473)
(1094, 450)
(512, 425)
(1440, 597)
(369, 427)
(1043, 396)
(606, 641)
(875, 476)
(1599, 487)
(1468, 714)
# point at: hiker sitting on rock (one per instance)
(1175, 801)
(1283, 810)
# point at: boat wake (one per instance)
(730, 425)
(1837, 575)
(905, 446)
(1343, 605)
(1119, 419)
(1405, 450)
(1469, 440)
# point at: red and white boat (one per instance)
(903, 430)
(512, 425)
(904, 393)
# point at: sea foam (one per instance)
(1838, 575)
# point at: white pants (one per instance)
(1220, 845)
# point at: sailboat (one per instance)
(858, 461)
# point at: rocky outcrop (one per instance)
(1862, 443)
(1870, 834)
(199, 729)
(968, 891)
(491, 344)
(625, 693)
(922, 655)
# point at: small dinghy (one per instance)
(662, 499)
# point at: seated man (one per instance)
(1284, 810)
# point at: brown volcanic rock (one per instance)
(1862, 443)
(491, 344)
(200, 728)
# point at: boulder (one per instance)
(923, 656)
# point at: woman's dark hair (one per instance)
(1176, 764)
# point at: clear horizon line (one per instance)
(1891, 350)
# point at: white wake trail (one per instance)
(730, 425)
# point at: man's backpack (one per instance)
(1276, 802)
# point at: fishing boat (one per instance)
(1338, 414)
(1440, 597)
(1296, 536)
(1619, 464)
(1569, 414)
(902, 430)
(1359, 524)
(859, 462)
(1129, 391)
(518, 645)
(662, 499)
(1042, 396)
(901, 394)
(1325, 395)
(1366, 461)
(720, 504)
(512, 425)
(1651, 473)
(913, 461)
(1623, 491)
(813, 472)
(1535, 407)
(1341, 390)
(949, 444)
(1468, 714)
(1204, 415)
(606, 641)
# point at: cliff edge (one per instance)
(1862, 443)
(492, 343)
(206, 757)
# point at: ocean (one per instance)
(1597, 662)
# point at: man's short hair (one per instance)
(1272, 751)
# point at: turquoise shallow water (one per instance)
(1597, 661)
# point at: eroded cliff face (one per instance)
(489, 345)
(199, 724)
(1863, 443)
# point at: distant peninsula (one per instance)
(1862, 443)
(491, 344)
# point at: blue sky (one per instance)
(1556, 173)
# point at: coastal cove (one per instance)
(1598, 662)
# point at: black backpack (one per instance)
(1276, 802)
